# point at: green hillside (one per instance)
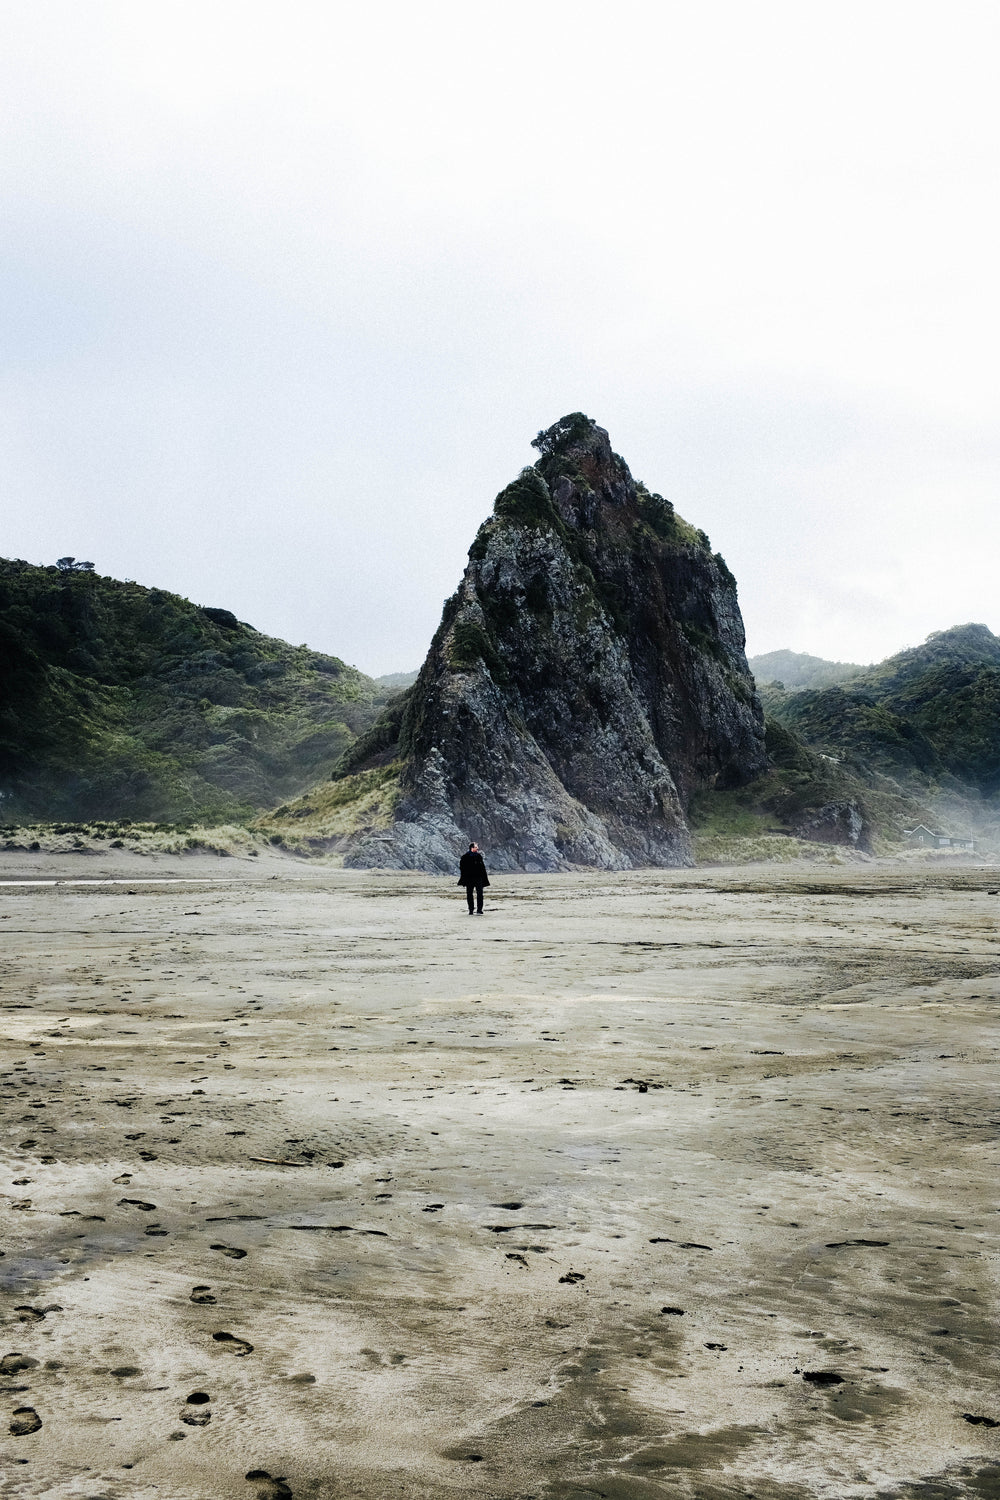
(805, 795)
(123, 701)
(859, 754)
(929, 715)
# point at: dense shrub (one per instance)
(526, 500)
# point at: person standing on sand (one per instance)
(472, 874)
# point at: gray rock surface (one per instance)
(837, 823)
(587, 678)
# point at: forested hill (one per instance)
(929, 715)
(123, 701)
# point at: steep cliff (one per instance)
(588, 677)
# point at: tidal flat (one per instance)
(672, 1183)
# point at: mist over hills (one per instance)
(585, 701)
(929, 716)
(796, 669)
(119, 701)
(926, 721)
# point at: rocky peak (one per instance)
(578, 466)
(587, 677)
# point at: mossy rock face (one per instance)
(526, 501)
(470, 647)
(588, 676)
(123, 701)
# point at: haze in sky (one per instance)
(288, 288)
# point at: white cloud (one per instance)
(288, 289)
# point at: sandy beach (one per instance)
(676, 1183)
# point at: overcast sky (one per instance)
(288, 288)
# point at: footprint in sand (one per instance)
(26, 1420)
(268, 1488)
(28, 1314)
(145, 1208)
(197, 1418)
(202, 1294)
(232, 1251)
(11, 1364)
(239, 1347)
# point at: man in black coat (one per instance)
(472, 874)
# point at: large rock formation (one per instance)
(587, 677)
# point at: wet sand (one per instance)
(670, 1184)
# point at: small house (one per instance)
(928, 839)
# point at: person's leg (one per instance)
(469, 894)
(479, 899)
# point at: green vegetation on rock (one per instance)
(526, 500)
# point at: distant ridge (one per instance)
(796, 669)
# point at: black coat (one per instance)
(472, 870)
